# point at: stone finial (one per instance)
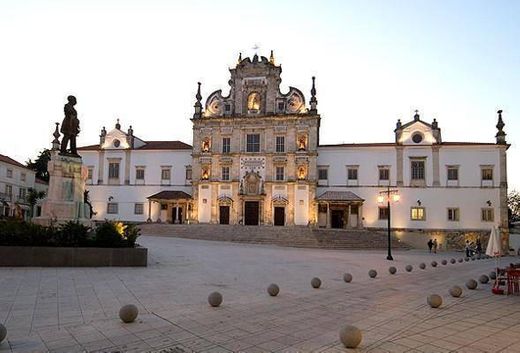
(314, 101)
(118, 125)
(436, 131)
(255, 58)
(398, 131)
(131, 136)
(398, 124)
(56, 141)
(435, 124)
(501, 135)
(416, 116)
(102, 136)
(239, 58)
(130, 131)
(271, 58)
(198, 104)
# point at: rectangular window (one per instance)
(90, 173)
(417, 214)
(225, 173)
(280, 144)
(188, 172)
(112, 208)
(453, 214)
(9, 190)
(165, 173)
(21, 193)
(488, 215)
(487, 173)
(280, 173)
(226, 145)
(383, 213)
(9, 173)
(253, 143)
(417, 170)
(139, 174)
(384, 174)
(453, 173)
(323, 174)
(22, 176)
(138, 208)
(113, 170)
(352, 173)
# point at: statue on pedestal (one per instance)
(70, 127)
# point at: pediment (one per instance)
(116, 140)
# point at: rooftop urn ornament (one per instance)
(56, 141)
(118, 125)
(501, 135)
(271, 58)
(239, 58)
(314, 101)
(198, 104)
(70, 127)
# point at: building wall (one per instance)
(17, 180)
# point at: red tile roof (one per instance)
(9, 160)
(170, 195)
(391, 144)
(149, 145)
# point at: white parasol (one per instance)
(494, 247)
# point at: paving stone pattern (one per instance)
(76, 309)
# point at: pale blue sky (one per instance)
(375, 61)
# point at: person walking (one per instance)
(435, 244)
(468, 249)
(430, 245)
(479, 247)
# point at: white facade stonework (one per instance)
(256, 159)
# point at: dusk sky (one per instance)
(374, 62)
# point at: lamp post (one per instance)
(394, 194)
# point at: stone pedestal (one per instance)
(65, 198)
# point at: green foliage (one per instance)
(70, 234)
(513, 202)
(40, 164)
(33, 196)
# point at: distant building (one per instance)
(15, 181)
(256, 159)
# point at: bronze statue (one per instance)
(70, 127)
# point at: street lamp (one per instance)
(388, 194)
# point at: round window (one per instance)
(417, 137)
(117, 143)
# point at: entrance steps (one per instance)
(300, 237)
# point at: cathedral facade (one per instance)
(256, 159)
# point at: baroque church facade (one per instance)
(256, 159)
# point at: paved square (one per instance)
(76, 309)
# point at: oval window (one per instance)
(417, 137)
(117, 143)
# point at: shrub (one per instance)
(108, 235)
(73, 233)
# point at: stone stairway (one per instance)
(300, 237)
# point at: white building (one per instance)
(256, 159)
(15, 181)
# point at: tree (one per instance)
(33, 196)
(513, 203)
(40, 164)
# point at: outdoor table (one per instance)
(513, 280)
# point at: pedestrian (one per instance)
(435, 246)
(430, 245)
(479, 247)
(468, 249)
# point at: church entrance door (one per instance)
(251, 209)
(224, 214)
(279, 216)
(336, 219)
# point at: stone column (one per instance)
(149, 211)
(435, 162)
(128, 158)
(399, 165)
(177, 213)
(504, 226)
(101, 167)
(328, 215)
(348, 216)
(360, 216)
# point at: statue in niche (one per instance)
(69, 127)
(302, 173)
(302, 143)
(253, 101)
(252, 181)
(205, 173)
(205, 145)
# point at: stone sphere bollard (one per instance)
(471, 284)
(483, 279)
(3, 333)
(372, 273)
(273, 290)
(422, 265)
(408, 268)
(392, 270)
(215, 299)
(461, 260)
(466, 259)
(128, 313)
(434, 300)
(453, 261)
(493, 275)
(444, 262)
(347, 277)
(350, 336)
(316, 282)
(434, 263)
(456, 291)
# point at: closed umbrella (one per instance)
(494, 249)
